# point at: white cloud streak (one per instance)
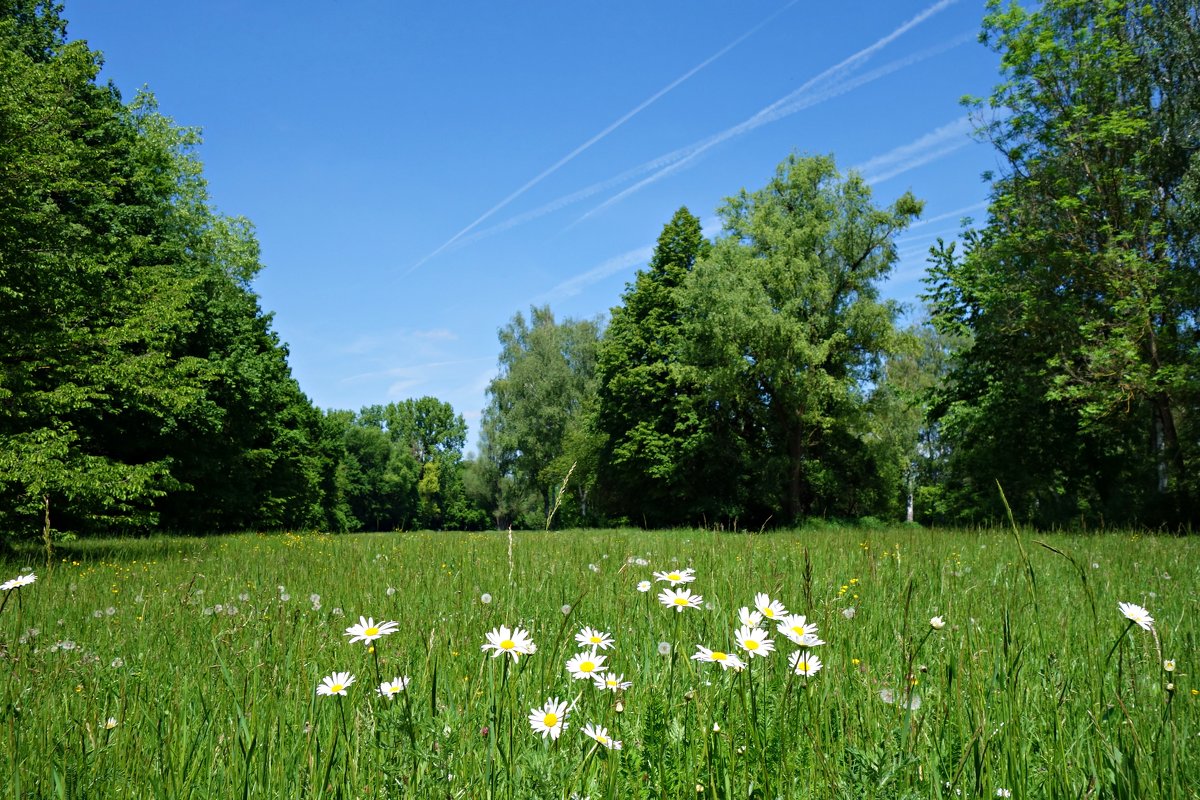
(827, 84)
(612, 127)
(575, 285)
(932, 146)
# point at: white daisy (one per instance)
(600, 734)
(590, 637)
(937, 623)
(550, 719)
(771, 609)
(395, 686)
(18, 582)
(367, 630)
(585, 665)
(335, 684)
(751, 619)
(679, 600)
(644, 586)
(804, 663)
(676, 577)
(754, 641)
(726, 660)
(515, 642)
(796, 627)
(1136, 614)
(610, 681)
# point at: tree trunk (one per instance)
(795, 489)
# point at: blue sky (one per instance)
(418, 173)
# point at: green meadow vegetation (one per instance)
(180, 667)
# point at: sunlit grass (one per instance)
(190, 668)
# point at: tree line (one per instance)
(757, 377)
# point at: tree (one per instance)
(547, 376)
(652, 455)
(1080, 294)
(786, 331)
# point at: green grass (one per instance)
(1037, 684)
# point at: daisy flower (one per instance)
(367, 630)
(805, 663)
(751, 619)
(754, 641)
(677, 577)
(515, 642)
(335, 684)
(810, 640)
(679, 600)
(600, 734)
(18, 582)
(610, 681)
(585, 665)
(796, 627)
(590, 637)
(550, 719)
(771, 609)
(726, 660)
(395, 686)
(644, 586)
(1169, 665)
(937, 623)
(1136, 614)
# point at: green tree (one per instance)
(786, 331)
(1080, 294)
(652, 444)
(546, 380)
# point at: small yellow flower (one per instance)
(855, 661)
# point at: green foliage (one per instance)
(786, 330)
(1080, 294)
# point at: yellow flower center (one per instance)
(507, 644)
(769, 612)
(674, 576)
(595, 639)
(601, 738)
(681, 601)
(802, 666)
(550, 720)
(337, 687)
(796, 629)
(371, 632)
(751, 644)
(587, 666)
(717, 655)
(610, 682)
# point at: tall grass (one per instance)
(188, 668)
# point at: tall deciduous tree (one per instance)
(546, 381)
(786, 330)
(1081, 292)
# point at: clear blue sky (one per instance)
(418, 173)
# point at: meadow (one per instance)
(939, 665)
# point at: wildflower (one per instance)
(283, 598)
(610, 681)
(550, 719)
(335, 684)
(515, 642)
(676, 577)
(117, 663)
(566, 609)
(804, 663)
(796, 627)
(593, 568)
(367, 631)
(664, 648)
(751, 619)
(589, 637)
(937, 623)
(98, 614)
(585, 665)
(244, 597)
(679, 600)
(849, 613)
(1003, 793)
(315, 599)
(726, 660)
(754, 641)
(395, 686)
(771, 609)
(1138, 615)
(18, 582)
(110, 723)
(485, 598)
(600, 734)
(644, 586)
(1169, 665)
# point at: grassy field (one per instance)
(181, 668)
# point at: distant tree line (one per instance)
(749, 379)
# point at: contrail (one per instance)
(795, 101)
(581, 148)
(931, 146)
